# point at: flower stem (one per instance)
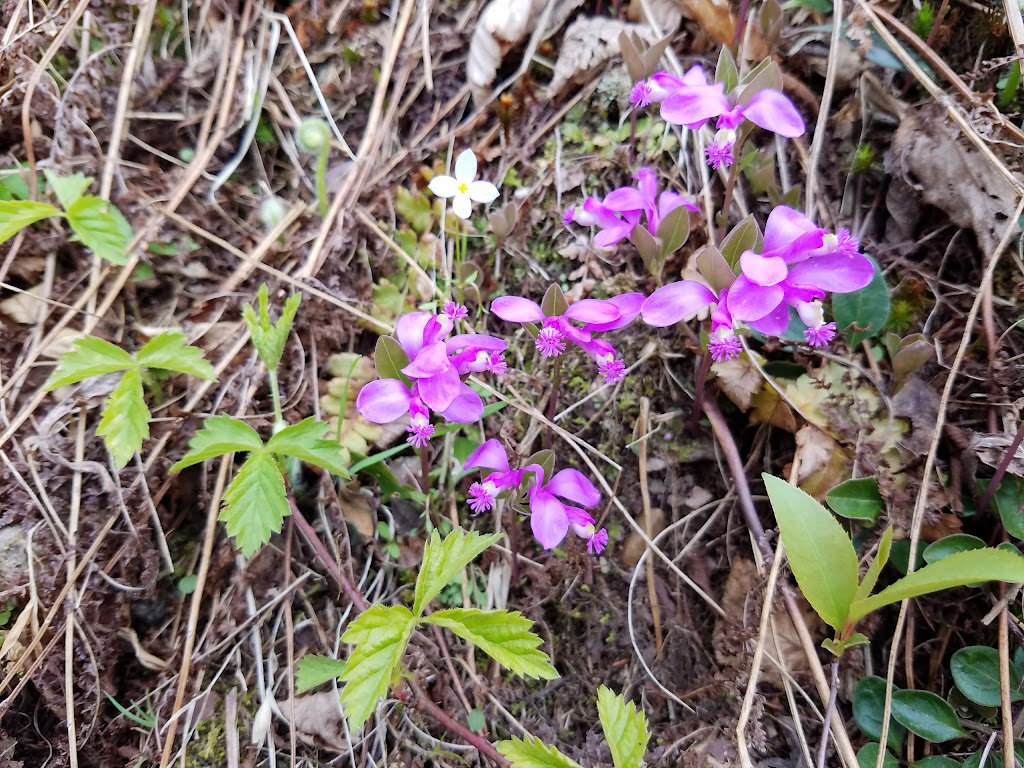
(275, 395)
(321, 179)
(556, 383)
(699, 386)
(730, 187)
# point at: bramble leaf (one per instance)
(820, 553)
(304, 441)
(533, 753)
(90, 356)
(505, 636)
(625, 728)
(956, 570)
(255, 504)
(269, 337)
(170, 351)
(219, 435)
(101, 227)
(125, 421)
(15, 215)
(312, 671)
(442, 559)
(380, 636)
(67, 188)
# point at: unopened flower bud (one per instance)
(313, 135)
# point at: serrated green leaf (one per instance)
(956, 570)
(443, 558)
(15, 215)
(926, 715)
(125, 421)
(869, 708)
(976, 673)
(170, 351)
(625, 728)
(380, 636)
(220, 435)
(255, 504)
(857, 499)
(820, 553)
(533, 753)
(89, 356)
(270, 337)
(304, 441)
(101, 227)
(871, 575)
(67, 188)
(866, 309)
(505, 636)
(312, 671)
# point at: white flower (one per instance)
(464, 188)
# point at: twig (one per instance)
(645, 496)
(1004, 464)
(829, 710)
(1006, 712)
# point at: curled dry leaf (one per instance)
(589, 44)
(318, 718)
(718, 21)
(991, 450)
(501, 26)
(739, 380)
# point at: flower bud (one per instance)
(313, 135)
(272, 212)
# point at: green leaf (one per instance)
(125, 421)
(390, 358)
(533, 753)
(936, 761)
(926, 715)
(90, 356)
(976, 672)
(15, 215)
(673, 230)
(856, 500)
(869, 707)
(505, 636)
(475, 720)
(312, 671)
(67, 188)
(443, 558)
(820, 553)
(554, 301)
(651, 253)
(625, 728)
(871, 575)
(170, 351)
(867, 309)
(744, 237)
(956, 570)
(13, 185)
(101, 227)
(380, 636)
(726, 71)
(867, 757)
(255, 504)
(767, 74)
(269, 337)
(995, 757)
(1009, 501)
(948, 545)
(219, 435)
(304, 441)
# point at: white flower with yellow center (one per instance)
(464, 187)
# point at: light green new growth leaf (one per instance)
(625, 728)
(269, 337)
(304, 441)
(505, 636)
(90, 356)
(101, 227)
(170, 351)
(220, 435)
(956, 570)
(67, 188)
(881, 558)
(533, 753)
(820, 553)
(125, 421)
(312, 671)
(380, 636)
(15, 215)
(442, 559)
(255, 504)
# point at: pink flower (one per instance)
(677, 301)
(491, 455)
(644, 197)
(385, 400)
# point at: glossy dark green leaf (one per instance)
(863, 312)
(976, 673)
(948, 545)
(868, 709)
(857, 499)
(926, 715)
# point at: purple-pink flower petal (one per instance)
(490, 455)
(749, 301)
(548, 519)
(676, 301)
(628, 304)
(438, 392)
(835, 272)
(763, 270)
(694, 104)
(774, 112)
(466, 408)
(429, 361)
(516, 309)
(774, 323)
(573, 485)
(593, 311)
(409, 331)
(383, 400)
(624, 199)
(785, 225)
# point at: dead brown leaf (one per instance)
(318, 717)
(739, 380)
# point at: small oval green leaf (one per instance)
(390, 358)
(868, 709)
(976, 672)
(867, 757)
(948, 545)
(857, 499)
(865, 311)
(936, 761)
(926, 715)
